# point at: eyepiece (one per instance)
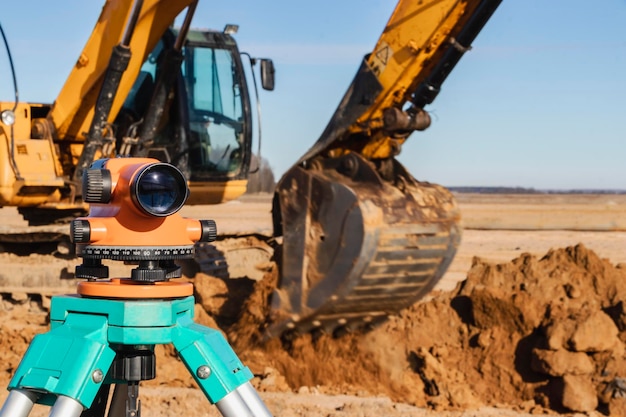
(209, 231)
(159, 189)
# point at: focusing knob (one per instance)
(97, 186)
(209, 231)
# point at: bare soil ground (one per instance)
(529, 320)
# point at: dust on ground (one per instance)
(539, 335)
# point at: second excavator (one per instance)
(361, 238)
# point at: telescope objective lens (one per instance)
(160, 190)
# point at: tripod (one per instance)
(105, 334)
(95, 343)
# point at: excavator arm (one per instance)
(73, 108)
(99, 83)
(363, 239)
(421, 44)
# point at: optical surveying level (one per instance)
(105, 334)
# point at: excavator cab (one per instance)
(206, 130)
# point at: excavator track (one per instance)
(385, 245)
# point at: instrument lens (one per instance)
(160, 190)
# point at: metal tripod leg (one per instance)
(243, 401)
(69, 361)
(66, 407)
(218, 371)
(19, 403)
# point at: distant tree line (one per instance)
(261, 179)
(524, 190)
(495, 190)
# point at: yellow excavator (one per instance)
(361, 238)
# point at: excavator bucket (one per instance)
(357, 249)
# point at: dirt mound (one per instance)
(532, 334)
(536, 332)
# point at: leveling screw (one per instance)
(203, 372)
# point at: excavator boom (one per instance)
(363, 239)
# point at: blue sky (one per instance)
(539, 102)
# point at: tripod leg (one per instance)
(19, 403)
(125, 401)
(222, 377)
(99, 404)
(243, 401)
(66, 407)
(69, 360)
(118, 401)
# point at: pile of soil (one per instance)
(535, 334)
(538, 333)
